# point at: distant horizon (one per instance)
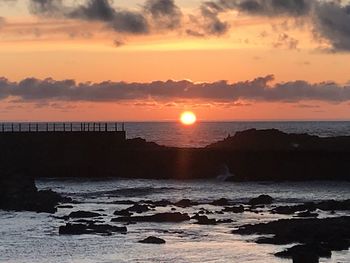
(150, 60)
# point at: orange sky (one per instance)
(39, 47)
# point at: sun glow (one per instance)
(188, 118)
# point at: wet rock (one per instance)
(220, 202)
(305, 253)
(152, 240)
(137, 208)
(122, 213)
(330, 233)
(306, 214)
(83, 214)
(65, 206)
(73, 229)
(204, 220)
(19, 193)
(91, 228)
(160, 218)
(184, 203)
(234, 209)
(330, 205)
(333, 205)
(261, 200)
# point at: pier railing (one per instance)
(62, 127)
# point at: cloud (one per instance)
(332, 22)
(165, 13)
(119, 20)
(269, 7)
(259, 89)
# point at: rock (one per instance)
(65, 206)
(122, 213)
(204, 220)
(220, 202)
(261, 200)
(152, 240)
(137, 208)
(160, 218)
(328, 233)
(306, 214)
(91, 228)
(234, 209)
(83, 214)
(184, 203)
(19, 193)
(73, 229)
(305, 253)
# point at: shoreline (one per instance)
(251, 155)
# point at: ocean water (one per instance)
(204, 133)
(31, 237)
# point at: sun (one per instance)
(188, 118)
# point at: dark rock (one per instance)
(73, 229)
(204, 220)
(137, 208)
(152, 240)
(91, 228)
(306, 214)
(305, 253)
(65, 206)
(160, 218)
(184, 203)
(329, 233)
(261, 200)
(220, 202)
(83, 214)
(234, 209)
(122, 213)
(19, 193)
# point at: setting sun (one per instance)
(188, 118)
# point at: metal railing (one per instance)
(62, 127)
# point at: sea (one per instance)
(27, 237)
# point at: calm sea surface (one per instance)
(201, 134)
(30, 237)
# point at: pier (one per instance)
(15, 127)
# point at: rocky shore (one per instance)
(19, 193)
(252, 155)
(316, 237)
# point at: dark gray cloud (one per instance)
(211, 11)
(93, 10)
(165, 13)
(259, 89)
(332, 22)
(269, 7)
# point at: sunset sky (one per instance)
(143, 60)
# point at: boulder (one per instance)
(204, 220)
(220, 202)
(83, 214)
(19, 193)
(234, 209)
(261, 200)
(184, 203)
(90, 228)
(160, 218)
(152, 240)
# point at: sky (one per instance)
(149, 60)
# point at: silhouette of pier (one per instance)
(15, 127)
